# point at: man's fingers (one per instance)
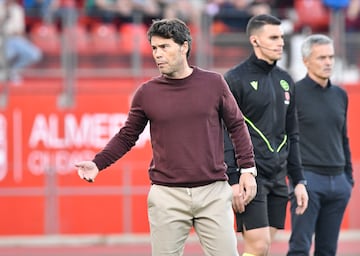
(81, 173)
(89, 179)
(80, 165)
(299, 203)
(300, 210)
(250, 194)
(238, 204)
(302, 205)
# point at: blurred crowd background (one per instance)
(108, 37)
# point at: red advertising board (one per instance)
(40, 191)
(40, 141)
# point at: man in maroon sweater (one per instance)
(186, 107)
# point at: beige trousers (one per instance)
(173, 211)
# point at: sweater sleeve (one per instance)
(238, 146)
(294, 165)
(229, 155)
(126, 138)
(347, 153)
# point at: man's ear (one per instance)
(253, 41)
(305, 62)
(185, 47)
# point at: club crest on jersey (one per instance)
(254, 85)
(284, 85)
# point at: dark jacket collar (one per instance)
(261, 64)
(311, 82)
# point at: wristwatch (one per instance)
(304, 182)
(251, 170)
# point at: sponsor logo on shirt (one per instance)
(254, 85)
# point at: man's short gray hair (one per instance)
(311, 40)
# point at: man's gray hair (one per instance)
(311, 40)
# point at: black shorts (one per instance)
(268, 208)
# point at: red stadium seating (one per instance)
(312, 14)
(46, 37)
(133, 38)
(78, 39)
(104, 39)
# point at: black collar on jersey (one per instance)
(261, 64)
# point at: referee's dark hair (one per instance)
(258, 21)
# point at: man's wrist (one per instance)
(251, 170)
(304, 182)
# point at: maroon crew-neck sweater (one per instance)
(186, 129)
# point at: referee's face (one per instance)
(320, 62)
(268, 43)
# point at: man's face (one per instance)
(269, 43)
(169, 56)
(320, 62)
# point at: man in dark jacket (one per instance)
(325, 152)
(265, 95)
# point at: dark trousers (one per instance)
(328, 198)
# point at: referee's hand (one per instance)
(248, 187)
(244, 192)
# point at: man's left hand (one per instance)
(301, 198)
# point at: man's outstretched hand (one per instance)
(87, 170)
